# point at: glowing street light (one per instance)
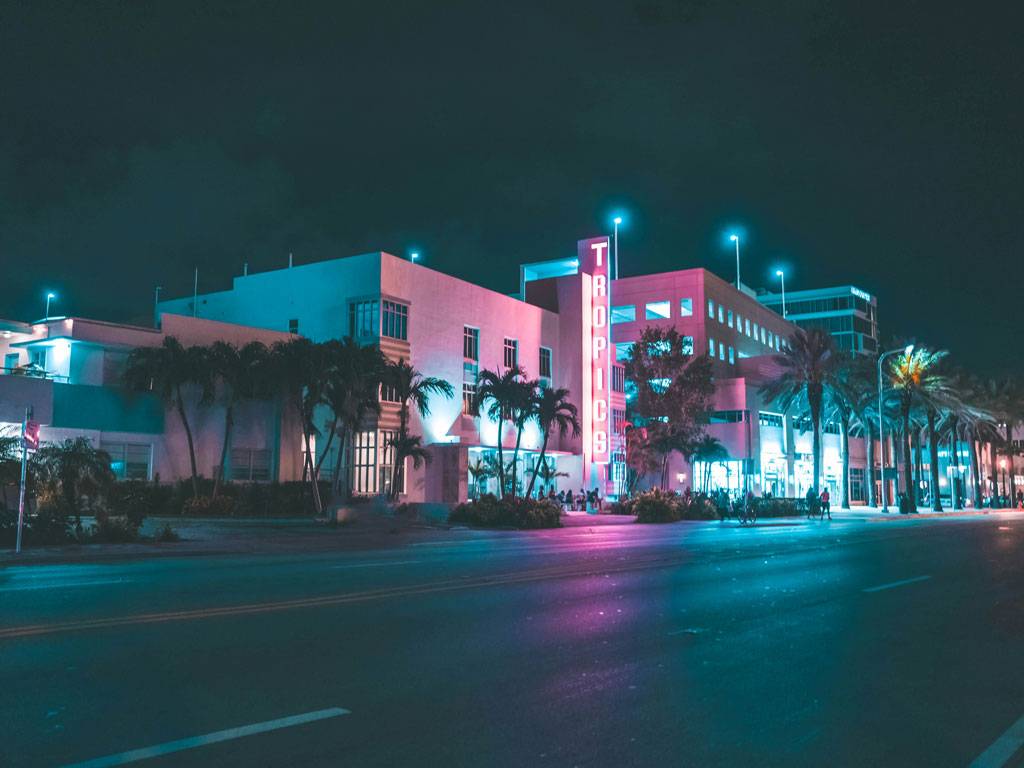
(616, 221)
(49, 298)
(908, 351)
(736, 239)
(413, 256)
(782, 276)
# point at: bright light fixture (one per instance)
(734, 238)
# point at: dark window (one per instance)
(395, 321)
(618, 378)
(618, 421)
(362, 319)
(545, 363)
(511, 353)
(388, 393)
(769, 419)
(293, 325)
(471, 343)
(725, 417)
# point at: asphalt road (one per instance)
(847, 643)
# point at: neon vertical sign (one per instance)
(593, 256)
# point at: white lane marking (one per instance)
(892, 584)
(65, 585)
(377, 565)
(210, 738)
(1003, 749)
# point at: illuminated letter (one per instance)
(599, 379)
(600, 441)
(600, 344)
(600, 316)
(600, 410)
(599, 255)
(600, 285)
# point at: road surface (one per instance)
(860, 642)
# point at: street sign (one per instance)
(31, 435)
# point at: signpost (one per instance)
(29, 441)
(594, 260)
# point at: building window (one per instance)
(623, 350)
(364, 462)
(856, 484)
(388, 393)
(746, 322)
(511, 358)
(362, 319)
(764, 336)
(471, 343)
(711, 347)
(686, 307)
(687, 345)
(387, 464)
(721, 351)
(37, 357)
(657, 310)
(129, 461)
(618, 378)
(10, 362)
(395, 324)
(618, 421)
(755, 331)
(769, 419)
(777, 344)
(544, 364)
(739, 323)
(729, 315)
(469, 398)
(725, 417)
(250, 466)
(732, 356)
(721, 313)
(711, 309)
(293, 325)
(623, 314)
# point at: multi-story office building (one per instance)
(846, 312)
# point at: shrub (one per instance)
(167, 534)
(490, 512)
(658, 506)
(776, 507)
(136, 499)
(207, 506)
(113, 529)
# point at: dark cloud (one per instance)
(878, 144)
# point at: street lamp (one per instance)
(156, 305)
(413, 256)
(736, 239)
(782, 276)
(908, 350)
(615, 240)
(49, 297)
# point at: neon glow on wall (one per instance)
(594, 256)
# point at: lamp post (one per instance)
(615, 244)
(49, 297)
(1002, 466)
(782, 276)
(736, 239)
(413, 256)
(881, 424)
(156, 304)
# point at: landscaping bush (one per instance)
(137, 499)
(491, 512)
(113, 529)
(780, 507)
(292, 498)
(658, 506)
(167, 534)
(207, 506)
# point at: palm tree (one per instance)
(524, 410)
(411, 389)
(980, 424)
(168, 370)
(497, 396)
(480, 471)
(708, 451)
(74, 468)
(298, 367)
(353, 393)
(548, 472)
(916, 382)
(552, 410)
(238, 374)
(856, 384)
(807, 369)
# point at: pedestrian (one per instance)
(551, 496)
(598, 501)
(812, 502)
(826, 507)
(581, 501)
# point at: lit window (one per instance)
(711, 309)
(764, 338)
(395, 320)
(129, 461)
(746, 322)
(250, 465)
(739, 323)
(687, 345)
(778, 344)
(657, 310)
(711, 347)
(755, 331)
(721, 314)
(732, 356)
(623, 314)
(721, 351)
(511, 357)
(686, 307)
(471, 343)
(623, 350)
(730, 318)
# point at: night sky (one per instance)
(873, 144)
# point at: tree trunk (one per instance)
(954, 452)
(816, 424)
(933, 454)
(869, 473)
(908, 463)
(845, 426)
(975, 471)
(403, 431)
(327, 447)
(188, 437)
(336, 482)
(501, 459)
(918, 467)
(1011, 483)
(540, 462)
(515, 458)
(314, 486)
(229, 420)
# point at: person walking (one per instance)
(826, 508)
